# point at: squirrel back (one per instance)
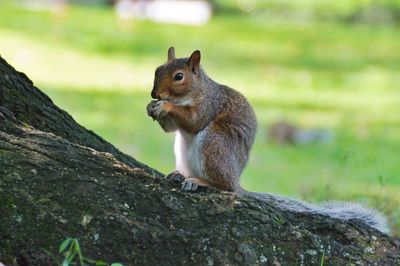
(215, 127)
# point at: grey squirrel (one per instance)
(215, 127)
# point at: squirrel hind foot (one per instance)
(175, 177)
(192, 184)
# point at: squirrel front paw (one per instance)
(149, 108)
(157, 109)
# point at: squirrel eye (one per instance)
(178, 76)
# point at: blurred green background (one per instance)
(328, 64)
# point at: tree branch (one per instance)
(58, 179)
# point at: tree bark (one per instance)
(59, 180)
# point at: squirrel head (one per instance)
(177, 77)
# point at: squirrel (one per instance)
(215, 128)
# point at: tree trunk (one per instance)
(59, 180)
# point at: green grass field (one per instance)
(344, 77)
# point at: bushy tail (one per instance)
(340, 210)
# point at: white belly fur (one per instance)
(188, 158)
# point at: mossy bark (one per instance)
(58, 179)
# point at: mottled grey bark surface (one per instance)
(58, 179)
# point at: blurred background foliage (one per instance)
(333, 65)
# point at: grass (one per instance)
(72, 252)
(332, 75)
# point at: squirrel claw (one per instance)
(175, 177)
(187, 185)
(192, 184)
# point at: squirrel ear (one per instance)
(171, 54)
(194, 61)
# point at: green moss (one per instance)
(7, 213)
(7, 206)
(278, 219)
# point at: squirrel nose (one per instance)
(154, 94)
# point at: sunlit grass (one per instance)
(340, 77)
